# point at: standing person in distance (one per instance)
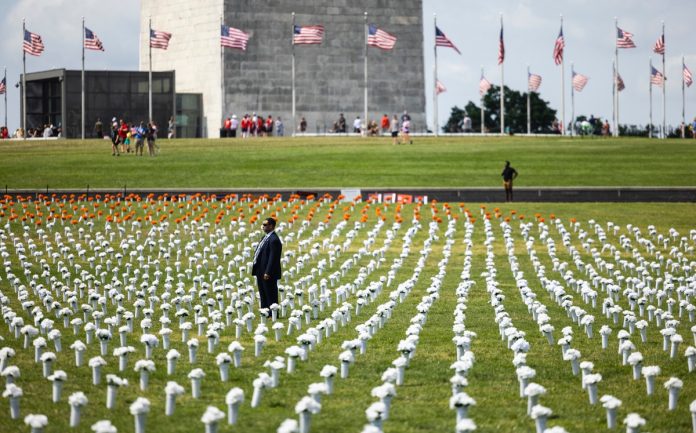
(509, 174)
(171, 128)
(394, 127)
(151, 137)
(266, 267)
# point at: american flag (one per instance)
(307, 35)
(484, 85)
(501, 47)
(439, 87)
(534, 81)
(619, 83)
(92, 42)
(656, 77)
(379, 38)
(688, 78)
(558, 48)
(579, 82)
(624, 39)
(32, 43)
(443, 41)
(3, 86)
(159, 39)
(233, 38)
(659, 47)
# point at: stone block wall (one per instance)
(329, 78)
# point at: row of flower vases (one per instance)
(589, 379)
(143, 366)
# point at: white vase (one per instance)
(224, 371)
(170, 405)
(232, 413)
(57, 389)
(140, 422)
(111, 396)
(144, 379)
(14, 407)
(75, 416)
(196, 388)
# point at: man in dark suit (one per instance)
(266, 266)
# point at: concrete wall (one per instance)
(329, 77)
(194, 50)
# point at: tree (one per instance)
(515, 113)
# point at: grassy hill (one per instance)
(350, 162)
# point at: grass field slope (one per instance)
(316, 162)
(418, 316)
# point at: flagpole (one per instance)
(529, 107)
(664, 85)
(6, 126)
(83, 79)
(435, 128)
(616, 73)
(365, 108)
(502, 85)
(483, 109)
(613, 93)
(24, 85)
(149, 75)
(292, 42)
(222, 74)
(563, 118)
(650, 125)
(572, 101)
(683, 126)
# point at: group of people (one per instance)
(400, 129)
(123, 135)
(47, 131)
(252, 126)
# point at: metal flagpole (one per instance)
(563, 118)
(664, 85)
(82, 124)
(222, 76)
(365, 108)
(6, 126)
(502, 85)
(292, 41)
(149, 75)
(435, 128)
(483, 109)
(24, 85)
(572, 102)
(613, 93)
(616, 73)
(529, 107)
(650, 122)
(683, 126)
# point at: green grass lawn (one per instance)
(350, 162)
(421, 403)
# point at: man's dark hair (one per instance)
(271, 221)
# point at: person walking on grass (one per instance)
(394, 128)
(140, 133)
(171, 128)
(114, 138)
(151, 137)
(122, 134)
(509, 174)
(406, 131)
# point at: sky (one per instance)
(530, 30)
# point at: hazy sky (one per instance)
(531, 27)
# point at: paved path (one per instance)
(481, 195)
